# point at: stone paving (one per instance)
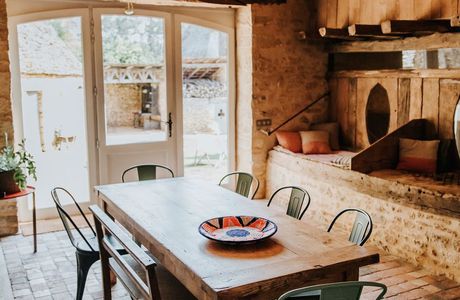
(50, 273)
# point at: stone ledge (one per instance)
(436, 199)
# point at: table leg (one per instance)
(34, 221)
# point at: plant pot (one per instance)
(7, 183)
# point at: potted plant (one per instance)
(15, 167)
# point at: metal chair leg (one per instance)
(84, 263)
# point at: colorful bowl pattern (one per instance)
(237, 229)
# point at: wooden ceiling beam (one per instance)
(415, 26)
(455, 21)
(335, 33)
(370, 31)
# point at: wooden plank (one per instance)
(335, 33)
(392, 10)
(448, 8)
(415, 110)
(384, 153)
(333, 98)
(342, 110)
(431, 42)
(213, 271)
(352, 111)
(422, 9)
(430, 106)
(364, 30)
(406, 10)
(449, 92)
(342, 13)
(365, 12)
(364, 86)
(379, 10)
(322, 13)
(331, 14)
(403, 101)
(436, 9)
(353, 11)
(415, 26)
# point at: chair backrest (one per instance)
(362, 227)
(146, 172)
(244, 183)
(67, 220)
(296, 201)
(123, 265)
(350, 290)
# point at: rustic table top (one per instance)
(164, 216)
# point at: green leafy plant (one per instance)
(20, 161)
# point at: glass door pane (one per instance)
(135, 100)
(53, 105)
(205, 101)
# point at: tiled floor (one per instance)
(50, 273)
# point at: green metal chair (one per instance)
(349, 290)
(244, 183)
(146, 172)
(296, 200)
(362, 227)
(86, 246)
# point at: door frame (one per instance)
(24, 214)
(178, 19)
(136, 148)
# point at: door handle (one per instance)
(170, 124)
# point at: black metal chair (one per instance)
(349, 290)
(137, 270)
(244, 183)
(86, 248)
(296, 201)
(146, 172)
(362, 227)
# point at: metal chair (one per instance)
(296, 200)
(362, 227)
(86, 248)
(137, 271)
(244, 183)
(146, 172)
(349, 290)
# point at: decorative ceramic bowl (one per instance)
(237, 229)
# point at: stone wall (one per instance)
(6, 118)
(8, 209)
(420, 234)
(287, 73)
(123, 100)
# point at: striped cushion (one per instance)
(289, 140)
(418, 156)
(315, 142)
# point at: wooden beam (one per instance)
(455, 21)
(335, 33)
(366, 30)
(415, 26)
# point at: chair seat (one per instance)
(170, 287)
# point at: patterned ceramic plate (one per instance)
(237, 229)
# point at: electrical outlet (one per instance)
(263, 122)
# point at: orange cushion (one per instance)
(289, 140)
(315, 142)
(418, 156)
(333, 129)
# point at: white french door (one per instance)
(97, 91)
(53, 104)
(135, 91)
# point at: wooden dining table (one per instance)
(164, 216)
